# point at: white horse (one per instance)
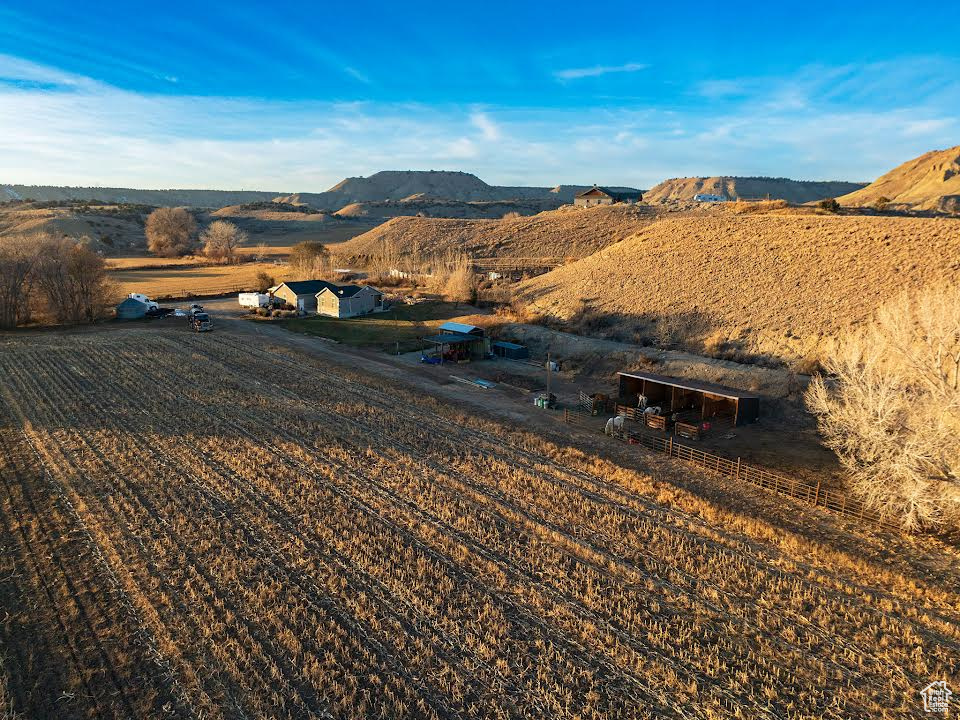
(614, 424)
(653, 410)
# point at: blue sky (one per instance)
(294, 97)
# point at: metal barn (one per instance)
(132, 309)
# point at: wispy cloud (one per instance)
(597, 70)
(62, 128)
(488, 128)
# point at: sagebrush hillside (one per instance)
(567, 232)
(749, 188)
(928, 182)
(776, 284)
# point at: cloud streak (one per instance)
(598, 70)
(61, 128)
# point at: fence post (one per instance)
(670, 447)
(816, 494)
(566, 415)
(738, 468)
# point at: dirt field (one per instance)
(172, 281)
(233, 526)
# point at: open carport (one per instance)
(695, 399)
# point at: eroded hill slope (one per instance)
(749, 188)
(777, 284)
(567, 232)
(928, 182)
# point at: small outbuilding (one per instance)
(461, 328)
(509, 350)
(132, 309)
(458, 342)
(605, 196)
(346, 301)
(693, 400)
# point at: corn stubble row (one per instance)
(296, 539)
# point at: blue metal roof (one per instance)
(450, 339)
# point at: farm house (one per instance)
(346, 301)
(302, 294)
(604, 196)
(132, 309)
(693, 399)
(459, 341)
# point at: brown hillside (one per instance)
(113, 230)
(433, 207)
(566, 232)
(749, 188)
(929, 182)
(775, 284)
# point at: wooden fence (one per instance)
(815, 495)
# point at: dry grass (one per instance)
(323, 541)
(769, 284)
(561, 233)
(161, 282)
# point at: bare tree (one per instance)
(17, 264)
(891, 409)
(170, 232)
(309, 259)
(221, 240)
(73, 279)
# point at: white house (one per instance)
(345, 301)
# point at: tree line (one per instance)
(172, 232)
(60, 280)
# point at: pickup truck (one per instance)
(200, 322)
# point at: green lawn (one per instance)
(403, 323)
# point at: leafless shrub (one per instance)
(221, 240)
(461, 285)
(309, 259)
(512, 215)
(170, 232)
(265, 281)
(891, 409)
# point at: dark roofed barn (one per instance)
(696, 399)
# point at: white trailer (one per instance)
(151, 305)
(254, 300)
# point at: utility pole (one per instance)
(548, 376)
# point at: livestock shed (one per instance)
(346, 301)
(695, 399)
(458, 342)
(132, 309)
(509, 350)
(605, 196)
(302, 294)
